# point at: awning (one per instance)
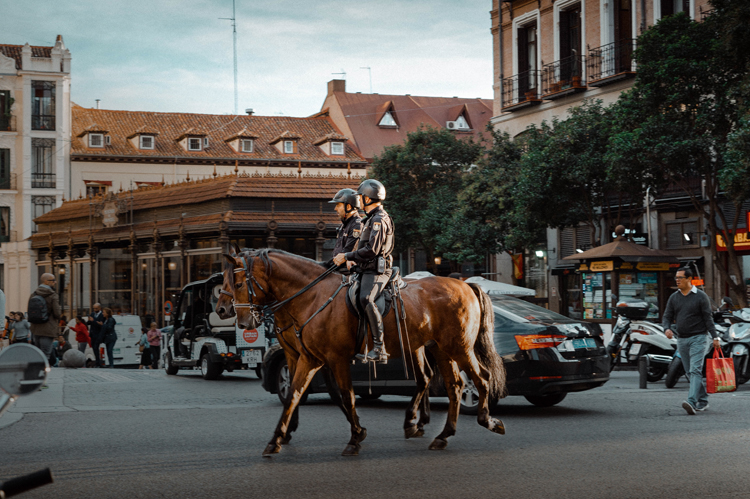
(500, 288)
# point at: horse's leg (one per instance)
(342, 372)
(303, 374)
(333, 389)
(481, 378)
(453, 385)
(291, 362)
(422, 378)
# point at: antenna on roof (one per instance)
(369, 71)
(234, 40)
(342, 73)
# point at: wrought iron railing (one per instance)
(563, 74)
(610, 60)
(42, 122)
(43, 180)
(520, 88)
(8, 183)
(7, 123)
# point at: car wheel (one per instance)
(284, 383)
(168, 366)
(259, 371)
(210, 370)
(546, 400)
(469, 401)
(674, 372)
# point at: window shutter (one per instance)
(583, 237)
(523, 50)
(567, 242)
(674, 235)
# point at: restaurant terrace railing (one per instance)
(42, 180)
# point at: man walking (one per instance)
(690, 310)
(44, 333)
(95, 322)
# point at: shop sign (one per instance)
(741, 241)
(109, 214)
(583, 267)
(626, 266)
(648, 266)
(602, 266)
(635, 236)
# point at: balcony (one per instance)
(43, 180)
(42, 122)
(521, 90)
(610, 63)
(8, 183)
(563, 77)
(8, 123)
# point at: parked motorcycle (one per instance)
(633, 337)
(23, 370)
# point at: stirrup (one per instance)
(377, 355)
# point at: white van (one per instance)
(128, 329)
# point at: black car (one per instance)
(546, 356)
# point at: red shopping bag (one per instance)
(720, 373)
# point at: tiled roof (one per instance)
(171, 126)
(229, 186)
(329, 137)
(14, 52)
(363, 112)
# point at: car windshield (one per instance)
(525, 310)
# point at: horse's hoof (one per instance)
(362, 435)
(438, 444)
(271, 449)
(420, 432)
(411, 432)
(497, 426)
(286, 440)
(351, 450)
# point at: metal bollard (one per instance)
(643, 371)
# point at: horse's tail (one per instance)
(484, 347)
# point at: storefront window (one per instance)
(204, 266)
(146, 289)
(597, 294)
(82, 289)
(641, 286)
(172, 281)
(115, 280)
(573, 297)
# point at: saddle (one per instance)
(384, 302)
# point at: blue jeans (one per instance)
(693, 352)
(111, 353)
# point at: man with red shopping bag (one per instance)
(690, 309)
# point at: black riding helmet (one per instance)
(347, 196)
(373, 190)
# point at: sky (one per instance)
(177, 55)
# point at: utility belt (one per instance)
(379, 265)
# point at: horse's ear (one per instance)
(235, 249)
(230, 259)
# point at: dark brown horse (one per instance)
(453, 317)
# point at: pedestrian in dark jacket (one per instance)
(109, 336)
(95, 323)
(45, 334)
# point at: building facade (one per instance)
(34, 154)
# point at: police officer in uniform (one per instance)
(346, 206)
(373, 259)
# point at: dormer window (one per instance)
(246, 145)
(286, 142)
(194, 143)
(387, 120)
(459, 124)
(147, 142)
(96, 140)
(288, 147)
(337, 148)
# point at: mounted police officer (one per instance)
(346, 206)
(373, 259)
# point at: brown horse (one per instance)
(454, 317)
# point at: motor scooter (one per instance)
(633, 337)
(23, 370)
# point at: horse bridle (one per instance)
(255, 309)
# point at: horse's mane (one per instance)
(263, 254)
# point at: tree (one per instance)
(423, 177)
(675, 123)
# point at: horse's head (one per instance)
(225, 307)
(245, 278)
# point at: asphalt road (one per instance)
(126, 433)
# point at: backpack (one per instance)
(38, 313)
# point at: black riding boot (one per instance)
(377, 354)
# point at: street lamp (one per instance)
(438, 260)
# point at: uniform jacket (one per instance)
(347, 235)
(375, 240)
(50, 328)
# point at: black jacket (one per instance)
(375, 240)
(347, 235)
